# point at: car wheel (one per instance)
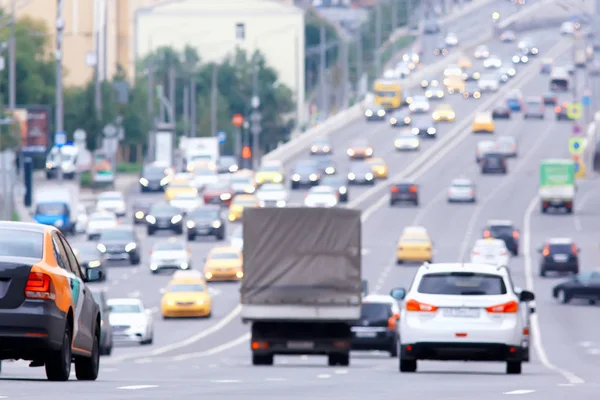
(394, 349)
(58, 362)
(563, 297)
(135, 260)
(513, 367)
(150, 232)
(262, 359)
(86, 368)
(191, 238)
(399, 262)
(408, 365)
(542, 272)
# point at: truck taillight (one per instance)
(39, 286)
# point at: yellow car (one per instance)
(483, 122)
(269, 172)
(239, 202)
(443, 112)
(454, 84)
(465, 63)
(414, 245)
(224, 264)
(378, 167)
(179, 186)
(186, 296)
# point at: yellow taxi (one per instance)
(378, 167)
(269, 172)
(443, 112)
(465, 63)
(186, 296)
(224, 264)
(454, 84)
(414, 245)
(239, 202)
(483, 122)
(179, 185)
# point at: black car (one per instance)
(424, 126)
(140, 210)
(305, 173)
(493, 163)
(582, 286)
(89, 256)
(561, 112)
(501, 111)
(106, 339)
(441, 49)
(339, 183)
(559, 255)
(505, 231)
(404, 192)
(375, 112)
(206, 221)
(154, 178)
(120, 243)
(320, 146)
(377, 328)
(472, 90)
(361, 173)
(227, 164)
(400, 118)
(164, 217)
(325, 164)
(550, 99)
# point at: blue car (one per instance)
(56, 213)
(514, 104)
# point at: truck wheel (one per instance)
(408, 365)
(338, 359)
(544, 209)
(513, 367)
(262, 359)
(394, 349)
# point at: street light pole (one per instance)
(12, 66)
(255, 117)
(59, 119)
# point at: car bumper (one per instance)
(31, 329)
(186, 311)
(375, 118)
(454, 351)
(119, 256)
(413, 255)
(169, 227)
(230, 275)
(493, 170)
(128, 336)
(406, 199)
(373, 340)
(461, 198)
(360, 181)
(569, 266)
(204, 231)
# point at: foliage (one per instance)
(312, 39)
(129, 168)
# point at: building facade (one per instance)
(216, 28)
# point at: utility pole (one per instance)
(186, 110)
(359, 61)
(105, 41)
(409, 12)
(214, 91)
(151, 97)
(172, 82)
(323, 100)
(255, 117)
(395, 15)
(345, 72)
(12, 66)
(193, 106)
(97, 75)
(378, 32)
(59, 119)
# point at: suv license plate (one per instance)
(461, 312)
(300, 345)
(366, 334)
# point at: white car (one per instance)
(567, 28)
(490, 251)
(453, 70)
(130, 321)
(481, 52)
(463, 312)
(170, 254)
(402, 70)
(204, 176)
(321, 196)
(236, 240)
(186, 202)
(272, 195)
(113, 202)
(451, 39)
(492, 62)
(488, 83)
(484, 147)
(407, 140)
(82, 219)
(507, 146)
(461, 191)
(420, 104)
(100, 221)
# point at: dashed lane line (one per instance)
(323, 376)
(137, 387)
(245, 338)
(521, 391)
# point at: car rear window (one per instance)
(560, 248)
(501, 230)
(375, 312)
(462, 283)
(20, 243)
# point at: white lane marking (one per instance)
(577, 223)
(304, 357)
(215, 350)
(382, 278)
(580, 204)
(586, 344)
(324, 376)
(214, 291)
(341, 371)
(521, 391)
(137, 387)
(512, 175)
(275, 379)
(530, 285)
(143, 361)
(594, 351)
(135, 294)
(565, 384)
(226, 381)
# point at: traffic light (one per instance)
(246, 152)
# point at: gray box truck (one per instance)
(302, 287)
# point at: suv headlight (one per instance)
(144, 181)
(130, 247)
(176, 219)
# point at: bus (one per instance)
(388, 93)
(559, 80)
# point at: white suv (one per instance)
(463, 312)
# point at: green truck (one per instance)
(557, 184)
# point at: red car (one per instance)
(218, 193)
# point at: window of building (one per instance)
(240, 31)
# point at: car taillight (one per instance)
(392, 324)
(475, 252)
(486, 234)
(413, 189)
(546, 251)
(574, 249)
(394, 189)
(515, 234)
(413, 305)
(39, 286)
(557, 110)
(510, 307)
(504, 252)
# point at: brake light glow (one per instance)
(574, 249)
(510, 307)
(39, 286)
(392, 324)
(413, 305)
(475, 252)
(486, 234)
(394, 189)
(413, 189)
(515, 234)
(557, 109)
(546, 251)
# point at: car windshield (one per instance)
(462, 185)
(362, 168)
(306, 167)
(415, 240)
(560, 248)
(102, 217)
(360, 143)
(272, 188)
(333, 181)
(186, 197)
(52, 209)
(185, 288)
(224, 256)
(501, 230)
(117, 234)
(241, 179)
(204, 172)
(169, 246)
(420, 99)
(21, 243)
(204, 213)
(375, 312)
(320, 142)
(270, 168)
(116, 308)
(179, 184)
(216, 187)
(462, 283)
(248, 202)
(322, 191)
(110, 197)
(87, 250)
(163, 208)
(227, 161)
(153, 172)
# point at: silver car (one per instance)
(507, 145)
(407, 140)
(534, 108)
(461, 191)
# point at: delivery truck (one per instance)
(301, 289)
(557, 184)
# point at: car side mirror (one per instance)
(106, 309)
(93, 275)
(526, 296)
(109, 308)
(398, 293)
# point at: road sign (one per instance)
(110, 131)
(574, 111)
(222, 137)
(576, 129)
(60, 138)
(576, 145)
(237, 120)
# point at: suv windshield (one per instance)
(375, 312)
(462, 283)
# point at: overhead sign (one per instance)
(574, 111)
(60, 138)
(576, 145)
(222, 136)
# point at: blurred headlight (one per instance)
(176, 219)
(144, 181)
